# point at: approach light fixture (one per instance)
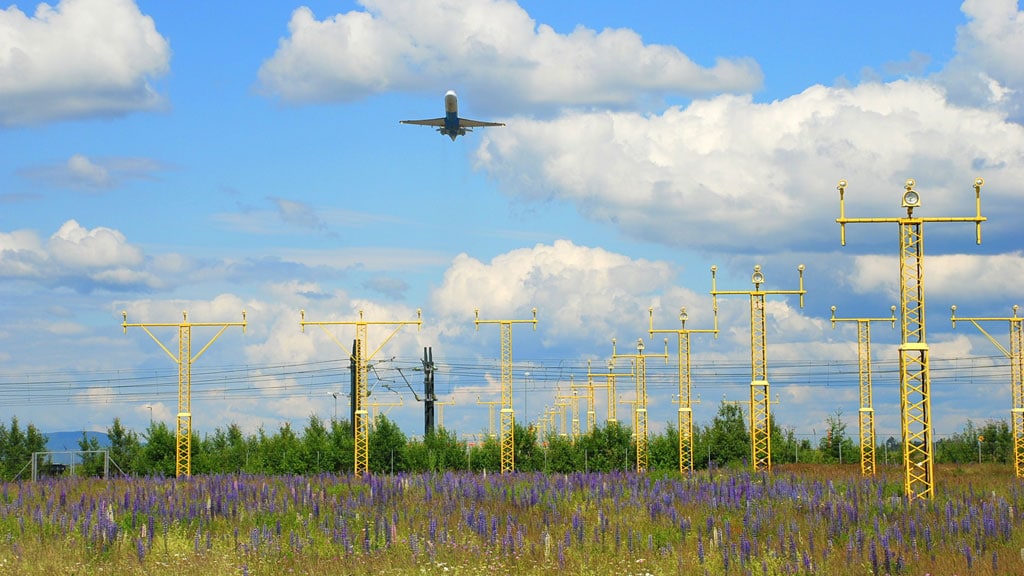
(757, 278)
(911, 199)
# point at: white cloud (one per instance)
(492, 45)
(81, 58)
(729, 173)
(578, 291)
(961, 277)
(987, 70)
(81, 172)
(74, 246)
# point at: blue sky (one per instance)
(209, 158)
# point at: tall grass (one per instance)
(798, 520)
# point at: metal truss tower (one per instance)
(1016, 356)
(640, 402)
(915, 381)
(866, 413)
(508, 419)
(685, 401)
(184, 359)
(609, 376)
(760, 406)
(361, 422)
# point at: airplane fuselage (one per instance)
(452, 129)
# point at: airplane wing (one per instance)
(466, 123)
(430, 122)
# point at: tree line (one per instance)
(329, 447)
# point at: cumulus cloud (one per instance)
(577, 290)
(965, 277)
(77, 257)
(732, 174)
(987, 70)
(492, 45)
(80, 58)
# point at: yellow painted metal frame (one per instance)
(640, 402)
(685, 412)
(362, 360)
(184, 360)
(760, 405)
(915, 381)
(508, 418)
(490, 413)
(866, 412)
(1016, 356)
(610, 377)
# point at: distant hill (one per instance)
(60, 441)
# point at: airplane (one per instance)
(451, 125)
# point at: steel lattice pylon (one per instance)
(760, 406)
(1016, 375)
(640, 402)
(362, 362)
(866, 412)
(508, 420)
(915, 381)
(184, 359)
(609, 384)
(685, 412)
(183, 424)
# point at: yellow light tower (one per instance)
(915, 381)
(1016, 356)
(374, 410)
(508, 418)
(866, 413)
(591, 413)
(362, 361)
(184, 359)
(573, 402)
(685, 411)
(440, 411)
(640, 406)
(490, 413)
(609, 376)
(760, 407)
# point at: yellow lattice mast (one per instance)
(362, 362)
(440, 411)
(640, 402)
(685, 412)
(374, 410)
(508, 419)
(490, 413)
(915, 381)
(184, 359)
(572, 401)
(866, 413)
(609, 376)
(591, 413)
(760, 406)
(1016, 356)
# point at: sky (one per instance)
(201, 158)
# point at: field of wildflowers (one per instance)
(797, 520)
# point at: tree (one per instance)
(159, 454)
(316, 445)
(835, 445)
(387, 447)
(92, 463)
(124, 446)
(663, 450)
(562, 455)
(438, 451)
(606, 448)
(730, 442)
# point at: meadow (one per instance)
(800, 519)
